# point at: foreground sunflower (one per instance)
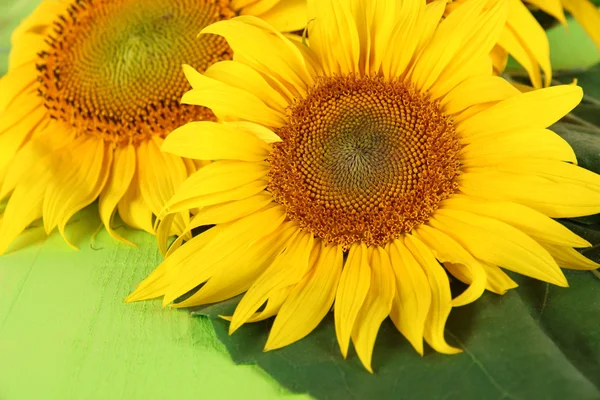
(361, 168)
(93, 89)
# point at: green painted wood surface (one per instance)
(65, 332)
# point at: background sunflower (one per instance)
(92, 89)
(65, 333)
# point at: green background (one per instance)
(66, 334)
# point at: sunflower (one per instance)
(364, 167)
(93, 89)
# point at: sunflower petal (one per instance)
(441, 304)
(376, 307)
(287, 269)
(352, 291)
(120, 178)
(205, 140)
(309, 301)
(413, 295)
(505, 246)
(447, 251)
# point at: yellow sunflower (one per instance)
(361, 168)
(93, 89)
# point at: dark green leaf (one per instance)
(569, 317)
(588, 79)
(590, 232)
(509, 351)
(585, 142)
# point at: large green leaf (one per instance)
(519, 346)
(65, 332)
(585, 141)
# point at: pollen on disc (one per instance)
(364, 159)
(113, 67)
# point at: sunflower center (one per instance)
(364, 159)
(113, 67)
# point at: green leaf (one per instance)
(571, 47)
(587, 78)
(585, 141)
(65, 332)
(589, 229)
(509, 352)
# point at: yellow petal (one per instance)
(473, 58)
(94, 182)
(333, 36)
(447, 251)
(185, 274)
(263, 133)
(532, 36)
(41, 18)
(243, 77)
(445, 44)
(536, 109)
(18, 85)
(120, 178)
(158, 282)
(552, 7)
(499, 244)
(76, 172)
(211, 215)
(497, 280)
(264, 49)
(587, 14)
(286, 15)
(441, 303)
(412, 16)
(39, 151)
(526, 144)
(570, 258)
(499, 58)
(352, 291)
(309, 301)
(556, 200)
(20, 132)
(238, 271)
(532, 222)
(215, 178)
(555, 171)
(133, 209)
(376, 307)
(228, 102)
(205, 140)
(160, 176)
(24, 207)
(272, 307)
(413, 295)
(476, 90)
(287, 269)
(25, 49)
(514, 45)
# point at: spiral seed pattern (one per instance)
(364, 159)
(113, 67)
